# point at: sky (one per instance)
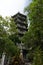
(11, 7)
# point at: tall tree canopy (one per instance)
(8, 28)
(33, 39)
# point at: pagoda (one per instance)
(21, 22)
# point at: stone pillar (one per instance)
(3, 58)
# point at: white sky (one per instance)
(11, 7)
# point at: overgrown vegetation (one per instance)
(33, 39)
(7, 29)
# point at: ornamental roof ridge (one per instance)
(19, 14)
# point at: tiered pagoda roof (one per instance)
(21, 22)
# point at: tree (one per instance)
(7, 28)
(34, 37)
(3, 35)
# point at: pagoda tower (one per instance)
(21, 22)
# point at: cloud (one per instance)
(10, 7)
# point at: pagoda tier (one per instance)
(22, 28)
(19, 17)
(20, 22)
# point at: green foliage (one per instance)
(10, 48)
(14, 38)
(8, 28)
(38, 58)
(34, 37)
(35, 14)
